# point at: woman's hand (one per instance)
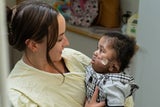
(93, 102)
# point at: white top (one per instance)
(30, 87)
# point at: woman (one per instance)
(47, 75)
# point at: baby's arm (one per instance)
(116, 93)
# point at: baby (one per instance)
(106, 71)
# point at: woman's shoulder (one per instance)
(72, 53)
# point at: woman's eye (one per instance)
(59, 40)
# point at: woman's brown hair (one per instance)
(32, 20)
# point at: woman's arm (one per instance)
(93, 102)
(129, 102)
(18, 99)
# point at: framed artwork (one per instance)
(18, 1)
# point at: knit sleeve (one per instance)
(20, 100)
(116, 92)
(79, 56)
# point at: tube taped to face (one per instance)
(104, 61)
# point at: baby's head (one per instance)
(114, 53)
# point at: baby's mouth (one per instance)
(93, 59)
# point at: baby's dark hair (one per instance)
(124, 47)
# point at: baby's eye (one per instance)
(101, 50)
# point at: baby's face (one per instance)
(103, 57)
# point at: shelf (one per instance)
(83, 31)
(92, 32)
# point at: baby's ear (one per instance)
(114, 67)
(117, 66)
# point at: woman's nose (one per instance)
(66, 42)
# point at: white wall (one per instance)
(148, 57)
(130, 5)
(84, 44)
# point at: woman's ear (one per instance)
(32, 45)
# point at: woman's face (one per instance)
(102, 57)
(62, 41)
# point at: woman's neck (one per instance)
(57, 67)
